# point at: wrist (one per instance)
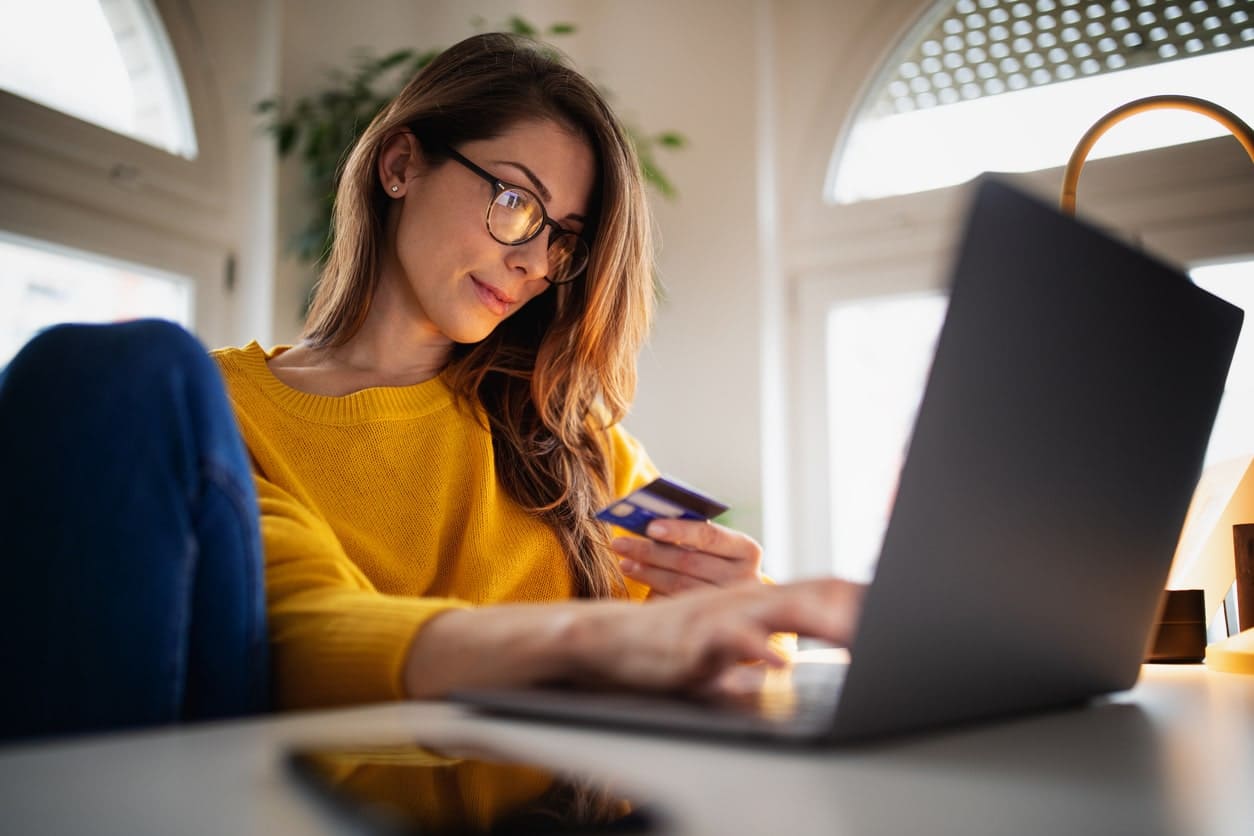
(507, 645)
(585, 634)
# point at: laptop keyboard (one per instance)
(803, 691)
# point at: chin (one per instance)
(469, 333)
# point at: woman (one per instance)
(430, 457)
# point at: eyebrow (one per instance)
(540, 187)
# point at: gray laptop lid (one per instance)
(1057, 446)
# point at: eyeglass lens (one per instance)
(516, 215)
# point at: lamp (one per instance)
(1236, 653)
(1225, 117)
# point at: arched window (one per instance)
(108, 62)
(954, 99)
(110, 207)
(978, 85)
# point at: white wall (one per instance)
(693, 67)
(236, 39)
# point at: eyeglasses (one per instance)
(516, 215)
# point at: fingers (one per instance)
(751, 643)
(826, 608)
(708, 537)
(663, 582)
(682, 552)
(687, 640)
(734, 632)
(728, 636)
(733, 648)
(669, 570)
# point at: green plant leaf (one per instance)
(519, 26)
(655, 177)
(422, 59)
(561, 29)
(315, 144)
(395, 59)
(671, 139)
(285, 134)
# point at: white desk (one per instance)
(1175, 755)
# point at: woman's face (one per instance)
(453, 276)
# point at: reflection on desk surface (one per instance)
(1099, 768)
(408, 788)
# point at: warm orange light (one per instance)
(1225, 117)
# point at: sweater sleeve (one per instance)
(335, 638)
(630, 468)
(629, 463)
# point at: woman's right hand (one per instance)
(670, 644)
(688, 641)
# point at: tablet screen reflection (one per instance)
(411, 789)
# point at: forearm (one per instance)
(509, 644)
(678, 642)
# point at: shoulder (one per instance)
(630, 465)
(235, 362)
(244, 363)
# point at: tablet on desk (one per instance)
(409, 788)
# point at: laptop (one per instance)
(1056, 448)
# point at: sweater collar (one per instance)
(374, 403)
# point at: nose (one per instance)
(531, 260)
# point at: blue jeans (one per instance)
(130, 553)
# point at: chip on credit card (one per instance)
(661, 499)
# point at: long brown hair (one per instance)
(552, 377)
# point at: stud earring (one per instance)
(395, 188)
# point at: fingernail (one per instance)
(658, 529)
(628, 566)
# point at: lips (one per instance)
(495, 300)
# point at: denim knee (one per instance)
(72, 354)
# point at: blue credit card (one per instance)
(663, 498)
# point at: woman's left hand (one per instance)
(684, 555)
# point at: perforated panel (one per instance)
(987, 47)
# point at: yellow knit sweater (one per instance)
(379, 510)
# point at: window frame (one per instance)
(78, 185)
(1189, 204)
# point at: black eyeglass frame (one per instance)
(545, 221)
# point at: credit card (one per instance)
(663, 498)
